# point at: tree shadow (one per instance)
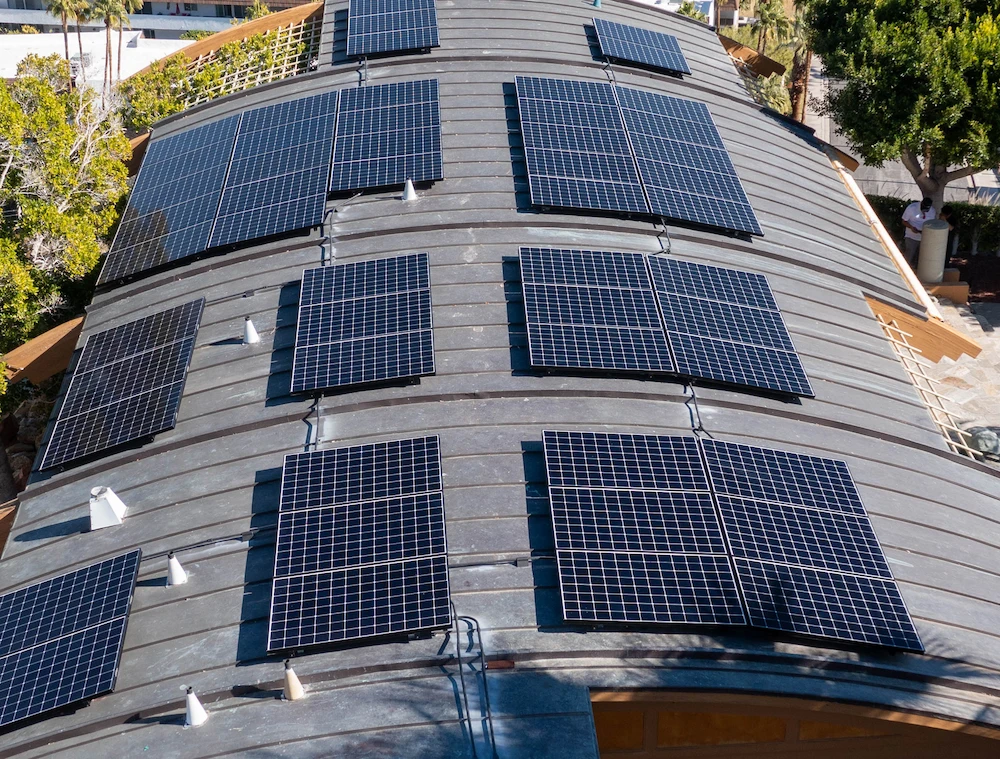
(251, 647)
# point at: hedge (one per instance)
(978, 225)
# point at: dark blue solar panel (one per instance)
(386, 134)
(362, 322)
(61, 639)
(714, 335)
(67, 603)
(390, 26)
(588, 519)
(575, 146)
(826, 604)
(359, 602)
(686, 172)
(335, 537)
(281, 165)
(642, 46)
(591, 310)
(126, 386)
(361, 548)
(608, 460)
(636, 532)
(764, 474)
(172, 206)
(652, 588)
(60, 671)
(361, 473)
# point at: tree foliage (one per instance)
(687, 8)
(62, 173)
(921, 82)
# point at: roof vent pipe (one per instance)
(408, 192)
(250, 335)
(106, 508)
(597, 3)
(196, 714)
(175, 572)
(293, 687)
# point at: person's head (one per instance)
(925, 204)
(946, 212)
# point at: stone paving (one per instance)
(972, 385)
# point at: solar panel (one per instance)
(724, 325)
(279, 172)
(642, 46)
(685, 169)
(61, 639)
(170, 211)
(126, 386)
(806, 556)
(367, 321)
(72, 601)
(575, 147)
(386, 134)
(591, 310)
(390, 26)
(637, 536)
(361, 548)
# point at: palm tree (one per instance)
(62, 9)
(771, 21)
(801, 61)
(109, 11)
(128, 6)
(81, 14)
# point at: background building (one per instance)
(209, 488)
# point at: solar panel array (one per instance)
(664, 529)
(361, 548)
(377, 27)
(386, 134)
(642, 46)
(126, 386)
(252, 175)
(172, 206)
(279, 171)
(637, 537)
(367, 321)
(61, 640)
(724, 325)
(592, 146)
(591, 310)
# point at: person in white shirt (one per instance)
(913, 219)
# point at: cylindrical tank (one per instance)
(933, 246)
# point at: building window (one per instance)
(147, 9)
(224, 11)
(190, 6)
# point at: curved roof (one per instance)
(207, 484)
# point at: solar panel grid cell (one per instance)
(361, 547)
(642, 46)
(571, 173)
(126, 385)
(170, 211)
(364, 322)
(390, 26)
(387, 134)
(277, 180)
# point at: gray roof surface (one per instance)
(216, 475)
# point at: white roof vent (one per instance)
(408, 192)
(106, 508)
(293, 687)
(250, 335)
(196, 714)
(175, 572)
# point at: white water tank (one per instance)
(933, 246)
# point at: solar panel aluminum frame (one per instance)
(611, 45)
(63, 645)
(355, 49)
(437, 560)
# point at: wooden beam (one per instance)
(45, 355)
(934, 339)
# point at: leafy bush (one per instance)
(978, 225)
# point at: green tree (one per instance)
(62, 156)
(921, 83)
(688, 8)
(81, 15)
(256, 10)
(798, 41)
(771, 22)
(109, 11)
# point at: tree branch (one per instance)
(965, 171)
(910, 161)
